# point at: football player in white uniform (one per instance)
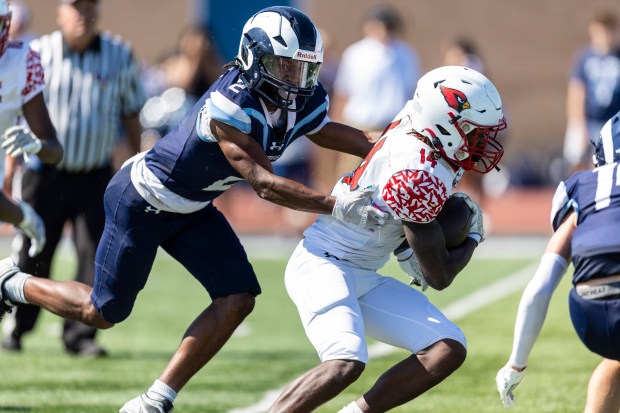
(21, 92)
(450, 126)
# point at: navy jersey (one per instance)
(600, 73)
(595, 197)
(188, 162)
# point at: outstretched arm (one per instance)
(249, 159)
(533, 307)
(343, 138)
(537, 295)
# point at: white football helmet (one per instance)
(5, 23)
(279, 56)
(607, 146)
(459, 110)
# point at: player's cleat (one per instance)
(7, 270)
(12, 343)
(86, 348)
(144, 404)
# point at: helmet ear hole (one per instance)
(244, 56)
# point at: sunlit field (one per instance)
(270, 349)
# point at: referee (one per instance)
(92, 92)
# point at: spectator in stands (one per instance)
(463, 51)
(593, 89)
(376, 76)
(21, 19)
(90, 100)
(195, 63)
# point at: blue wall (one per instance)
(226, 20)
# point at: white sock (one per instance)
(160, 390)
(14, 288)
(351, 408)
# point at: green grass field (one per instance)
(270, 349)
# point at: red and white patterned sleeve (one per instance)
(414, 195)
(35, 79)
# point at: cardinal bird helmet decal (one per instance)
(455, 98)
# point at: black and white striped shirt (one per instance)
(87, 94)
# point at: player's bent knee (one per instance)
(93, 317)
(237, 305)
(345, 370)
(453, 354)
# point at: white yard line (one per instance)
(454, 311)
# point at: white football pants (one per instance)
(340, 305)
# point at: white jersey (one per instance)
(21, 79)
(411, 186)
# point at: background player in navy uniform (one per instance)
(262, 103)
(586, 220)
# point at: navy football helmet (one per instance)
(607, 146)
(280, 54)
(5, 23)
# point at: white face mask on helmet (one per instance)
(607, 146)
(5, 23)
(459, 110)
(280, 55)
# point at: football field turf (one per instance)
(270, 349)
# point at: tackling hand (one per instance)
(507, 380)
(32, 226)
(476, 229)
(18, 140)
(410, 265)
(357, 208)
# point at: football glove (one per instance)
(410, 265)
(507, 379)
(476, 229)
(357, 208)
(32, 226)
(18, 140)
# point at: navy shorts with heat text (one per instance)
(597, 323)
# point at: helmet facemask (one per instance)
(480, 151)
(289, 78)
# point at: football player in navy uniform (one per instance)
(586, 221)
(163, 198)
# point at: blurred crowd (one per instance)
(368, 96)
